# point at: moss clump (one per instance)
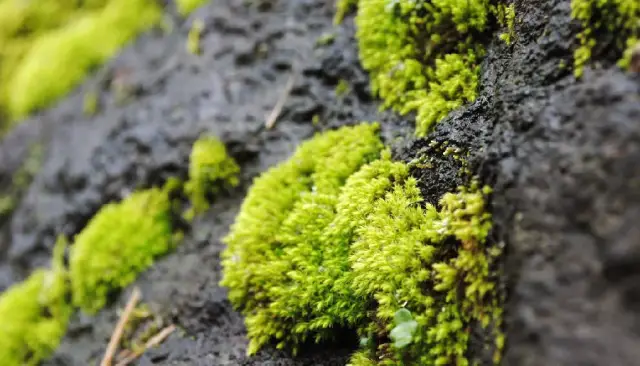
(193, 39)
(20, 181)
(289, 202)
(342, 8)
(119, 242)
(34, 315)
(187, 6)
(357, 251)
(406, 260)
(506, 15)
(620, 18)
(209, 168)
(422, 55)
(57, 60)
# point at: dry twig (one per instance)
(117, 332)
(154, 341)
(275, 112)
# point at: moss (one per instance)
(258, 265)
(185, 7)
(58, 60)
(35, 314)
(48, 48)
(20, 181)
(210, 168)
(342, 88)
(193, 39)
(325, 39)
(355, 252)
(90, 103)
(422, 55)
(119, 242)
(506, 15)
(342, 8)
(618, 18)
(401, 260)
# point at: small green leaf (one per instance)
(402, 315)
(402, 334)
(364, 341)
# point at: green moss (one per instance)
(119, 242)
(59, 59)
(401, 261)
(620, 18)
(90, 103)
(185, 7)
(264, 258)
(506, 15)
(422, 55)
(34, 315)
(342, 88)
(20, 181)
(209, 168)
(325, 39)
(342, 8)
(48, 48)
(355, 252)
(193, 39)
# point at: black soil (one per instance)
(562, 155)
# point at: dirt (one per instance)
(560, 154)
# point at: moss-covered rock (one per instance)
(210, 168)
(617, 18)
(34, 315)
(351, 246)
(119, 242)
(422, 55)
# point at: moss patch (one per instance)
(47, 49)
(34, 315)
(422, 55)
(119, 242)
(57, 60)
(210, 168)
(617, 18)
(187, 6)
(20, 182)
(348, 243)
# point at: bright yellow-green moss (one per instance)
(507, 17)
(187, 6)
(342, 8)
(209, 168)
(119, 242)
(20, 181)
(348, 242)
(620, 18)
(289, 202)
(401, 260)
(193, 40)
(422, 55)
(57, 60)
(34, 315)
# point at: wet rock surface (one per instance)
(560, 153)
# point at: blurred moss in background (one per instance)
(47, 47)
